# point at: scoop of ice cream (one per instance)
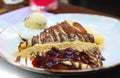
(36, 21)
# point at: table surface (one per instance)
(8, 70)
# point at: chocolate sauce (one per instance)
(62, 32)
(35, 40)
(51, 30)
(18, 59)
(80, 27)
(53, 59)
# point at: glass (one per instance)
(43, 5)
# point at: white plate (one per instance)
(107, 26)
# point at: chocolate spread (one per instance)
(62, 32)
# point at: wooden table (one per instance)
(62, 8)
(67, 8)
(7, 8)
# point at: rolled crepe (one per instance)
(65, 31)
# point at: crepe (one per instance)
(64, 32)
(64, 46)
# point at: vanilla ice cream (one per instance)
(36, 20)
